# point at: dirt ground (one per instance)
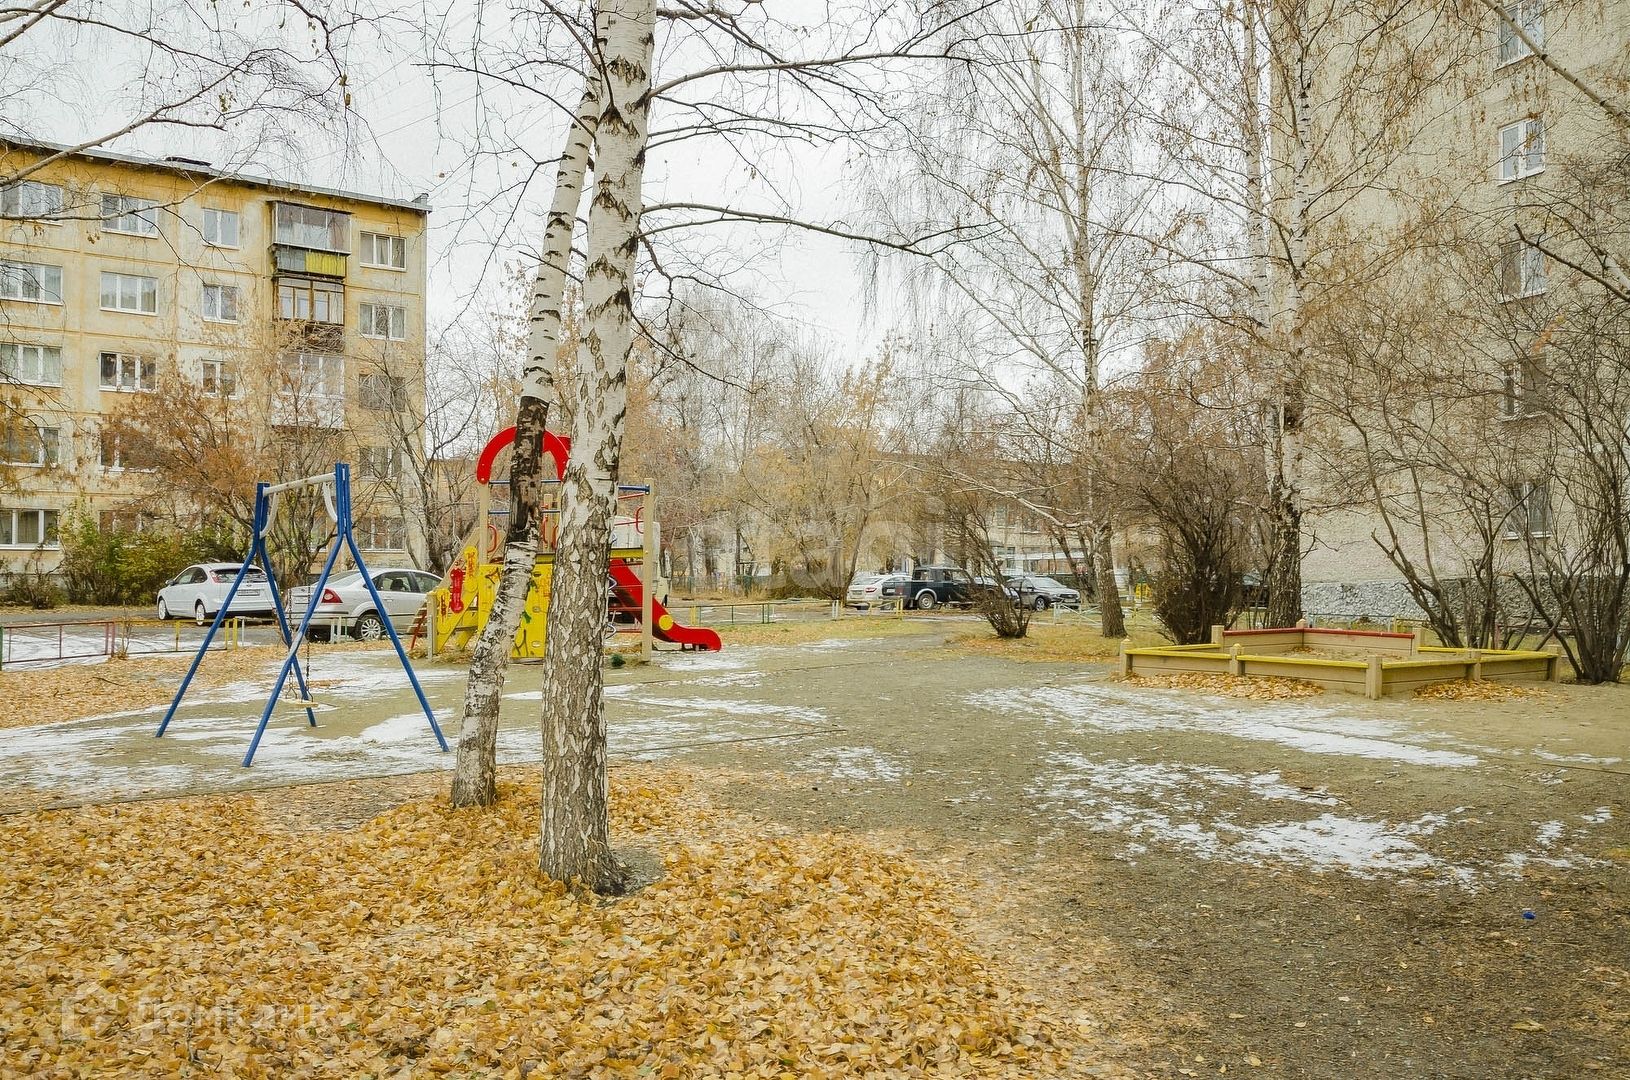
(1332, 888)
(1319, 887)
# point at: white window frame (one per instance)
(303, 233)
(370, 526)
(223, 310)
(1525, 263)
(329, 368)
(133, 373)
(290, 290)
(380, 463)
(394, 246)
(1522, 149)
(47, 443)
(120, 282)
(1509, 48)
(213, 219)
(47, 526)
(31, 200)
(1520, 518)
(379, 392)
(218, 377)
(14, 355)
(15, 274)
(114, 462)
(129, 215)
(395, 321)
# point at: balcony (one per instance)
(297, 260)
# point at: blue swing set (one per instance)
(336, 490)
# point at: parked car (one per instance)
(945, 586)
(869, 589)
(346, 606)
(200, 589)
(990, 583)
(1040, 592)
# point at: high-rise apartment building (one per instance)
(281, 325)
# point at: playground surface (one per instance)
(1318, 887)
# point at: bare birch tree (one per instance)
(575, 837)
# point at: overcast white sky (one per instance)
(423, 124)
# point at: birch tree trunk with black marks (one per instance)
(574, 835)
(475, 771)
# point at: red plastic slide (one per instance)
(664, 627)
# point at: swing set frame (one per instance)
(336, 491)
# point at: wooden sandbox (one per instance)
(1374, 663)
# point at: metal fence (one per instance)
(94, 639)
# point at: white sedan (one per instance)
(345, 604)
(200, 589)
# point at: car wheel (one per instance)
(370, 627)
(199, 615)
(1042, 603)
(163, 609)
(926, 600)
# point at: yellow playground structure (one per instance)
(456, 611)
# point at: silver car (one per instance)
(199, 590)
(346, 607)
(1041, 592)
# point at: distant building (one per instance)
(302, 308)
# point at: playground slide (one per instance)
(664, 627)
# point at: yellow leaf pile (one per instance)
(1461, 690)
(255, 936)
(1240, 686)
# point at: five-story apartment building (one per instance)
(297, 311)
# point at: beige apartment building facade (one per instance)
(1503, 140)
(297, 311)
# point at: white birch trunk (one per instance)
(475, 769)
(574, 834)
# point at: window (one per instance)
(1530, 15)
(221, 228)
(123, 450)
(37, 365)
(128, 372)
(127, 214)
(310, 227)
(1519, 389)
(384, 321)
(1522, 270)
(1522, 149)
(315, 374)
(23, 442)
(30, 199)
(221, 303)
(381, 533)
(1530, 512)
(34, 282)
(128, 292)
(310, 301)
(389, 252)
(382, 393)
(219, 379)
(379, 462)
(28, 528)
(123, 521)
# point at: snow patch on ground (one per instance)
(1159, 804)
(1311, 728)
(859, 764)
(1599, 816)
